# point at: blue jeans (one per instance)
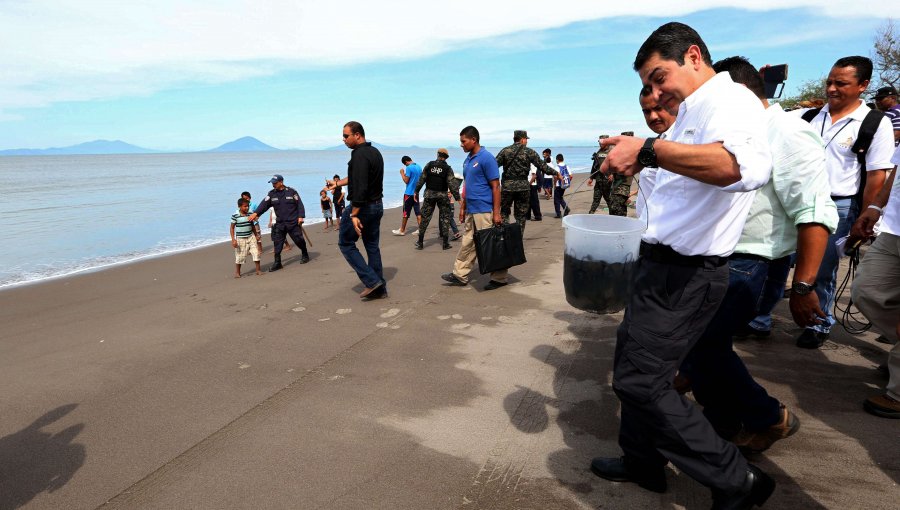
(720, 380)
(773, 292)
(826, 279)
(371, 273)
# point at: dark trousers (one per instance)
(730, 397)
(371, 272)
(518, 201)
(281, 230)
(670, 308)
(534, 200)
(558, 202)
(339, 209)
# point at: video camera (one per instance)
(773, 76)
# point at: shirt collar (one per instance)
(859, 113)
(708, 88)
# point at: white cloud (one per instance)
(73, 50)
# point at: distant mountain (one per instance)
(245, 144)
(95, 147)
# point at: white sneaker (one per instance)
(414, 232)
(397, 232)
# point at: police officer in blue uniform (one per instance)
(289, 215)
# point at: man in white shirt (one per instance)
(876, 288)
(697, 209)
(838, 124)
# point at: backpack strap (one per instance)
(863, 141)
(809, 115)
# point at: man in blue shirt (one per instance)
(410, 174)
(479, 207)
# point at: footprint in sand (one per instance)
(325, 319)
(343, 311)
(487, 318)
(395, 327)
(505, 319)
(382, 325)
(390, 313)
(443, 317)
(456, 316)
(461, 325)
(298, 309)
(243, 365)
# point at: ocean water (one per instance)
(70, 214)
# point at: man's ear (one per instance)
(694, 56)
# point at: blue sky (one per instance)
(193, 75)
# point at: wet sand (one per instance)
(167, 383)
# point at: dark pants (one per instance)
(281, 230)
(518, 201)
(535, 203)
(370, 214)
(558, 202)
(720, 380)
(668, 311)
(338, 209)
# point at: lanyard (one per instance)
(822, 131)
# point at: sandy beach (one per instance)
(167, 383)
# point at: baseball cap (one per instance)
(603, 136)
(885, 92)
(627, 133)
(276, 178)
(443, 151)
(519, 134)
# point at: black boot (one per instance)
(420, 242)
(447, 243)
(305, 257)
(277, 264)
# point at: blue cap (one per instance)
(276, 178)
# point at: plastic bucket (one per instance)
(600, 256)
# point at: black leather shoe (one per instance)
(453, 280)
(418, 245)
(304, 259)
(811, 339)
(757, 488)
(614, 470)
(491, 285)
(276, 265)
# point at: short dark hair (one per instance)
(356, 128)
(336, 176)
(742, 71)
(646, 91)
(405, 159)
(471, 132)
(671, 41)
(559, 157)
(862, 65)
(245, 193)
(242, 201)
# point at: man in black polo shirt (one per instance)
(365, 185)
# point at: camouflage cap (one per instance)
(520, 134)
(627, 133)
(443, 152)
(603, 136)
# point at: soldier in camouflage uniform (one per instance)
(516, 161)
(438, 179)
(613, 189)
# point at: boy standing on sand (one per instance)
(242, 238)
(256, 230)
(326, 209)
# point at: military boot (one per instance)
(446, 243)
(277, 264)
(420, 242)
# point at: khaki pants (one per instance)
(465, 259)
(245, 246)
(876, 292)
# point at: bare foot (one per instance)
(237, 276)
(259, 273)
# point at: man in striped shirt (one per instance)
(243, 238)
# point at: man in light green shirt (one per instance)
(793, 211)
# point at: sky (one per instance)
(191, 75)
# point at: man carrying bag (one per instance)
(479, 208)
(499, 247)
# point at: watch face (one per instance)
(645, 157)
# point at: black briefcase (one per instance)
(499, 248)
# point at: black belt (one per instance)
(749, 256)
(665, 254)
(834, 197)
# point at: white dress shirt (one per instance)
(890, 222)
(695, 218)
(840, 162)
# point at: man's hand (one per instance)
(498, 220)
(864, 226)
(253, 217)
(299, 221)
(590, 182)
(234, 243)
(403, 171)
(622, 159)
(462, 215)
(329, 184)
(805, 309)
(357, 225)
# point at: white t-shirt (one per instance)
(890, 222)
(533, 173)
(696, 218)
(840, 162)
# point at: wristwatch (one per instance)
(647, 156)
(802, 288)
